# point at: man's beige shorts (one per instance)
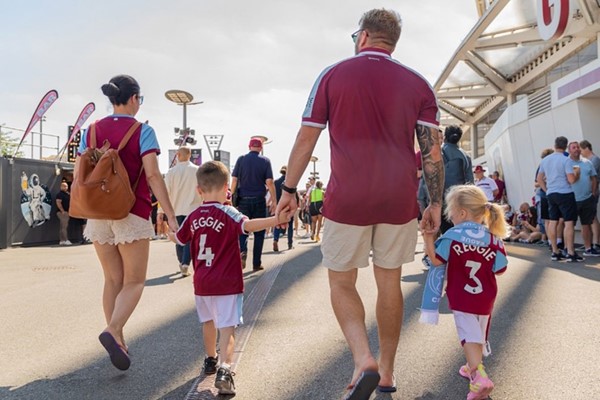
(126, 230)
(346, 247)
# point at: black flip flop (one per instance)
(118, 356)
(364, 387)
(388, 389)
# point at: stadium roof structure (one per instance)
(504, 56)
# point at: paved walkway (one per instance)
(544, 336)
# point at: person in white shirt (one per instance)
(488, 185)
(181, 185)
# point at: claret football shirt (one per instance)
(213, 231)
(371, 104)
(473, 257)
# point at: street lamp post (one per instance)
(314, 160)
(182, 98)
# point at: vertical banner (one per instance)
(48, 99)
(83, 116)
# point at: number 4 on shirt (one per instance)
(205, 253)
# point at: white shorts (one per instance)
(346, 247)
(225, 311)
(126, 230)
(472, 328)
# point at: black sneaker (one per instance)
(556, 256)
(224, 381)
(591, 252)
(210, 365)
(574, 258)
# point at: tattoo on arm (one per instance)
(433, 166)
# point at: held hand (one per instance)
(272, 207)
(432, 219)
(285, 204)
(173, 225)
(283, 217)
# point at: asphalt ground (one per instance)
(545, 331)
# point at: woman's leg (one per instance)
(125, 269)
(319, 223)
(112, 266)
(313, 226)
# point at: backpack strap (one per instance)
(128, 135)
(124, 142)
(92, 143)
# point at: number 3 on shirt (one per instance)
(474, 268)
(205, 253)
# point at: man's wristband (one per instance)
(288, 189)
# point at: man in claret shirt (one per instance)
(373, 105)
(213, 231)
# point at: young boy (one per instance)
(213, 230)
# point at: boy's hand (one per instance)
(283, 217)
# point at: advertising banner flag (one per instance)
(83, 116)
(48, 99)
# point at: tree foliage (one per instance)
(8, 145)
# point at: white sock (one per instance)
(226, 366)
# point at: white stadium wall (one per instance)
(513, 145)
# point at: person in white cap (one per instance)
(485, 183)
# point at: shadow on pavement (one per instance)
(164, 280)
(444, 386)
(587, 269)
(159, 358)
(165, 354)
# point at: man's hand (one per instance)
(432, 219)
(173, 225)
(287, 203)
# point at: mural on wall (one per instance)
(36, 201)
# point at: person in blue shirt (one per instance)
(555, 177)
(586, 191)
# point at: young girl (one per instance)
(474, 254)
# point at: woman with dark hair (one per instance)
(123, 246)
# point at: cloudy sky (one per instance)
(253, 63)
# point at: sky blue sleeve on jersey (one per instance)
(500, 262)
(442, 248)
(148, 140)
(83, 141)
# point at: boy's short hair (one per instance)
(212, 175)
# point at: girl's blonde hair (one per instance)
(472, 199)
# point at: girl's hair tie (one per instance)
(488, 205)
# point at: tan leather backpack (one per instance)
(101, 188)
